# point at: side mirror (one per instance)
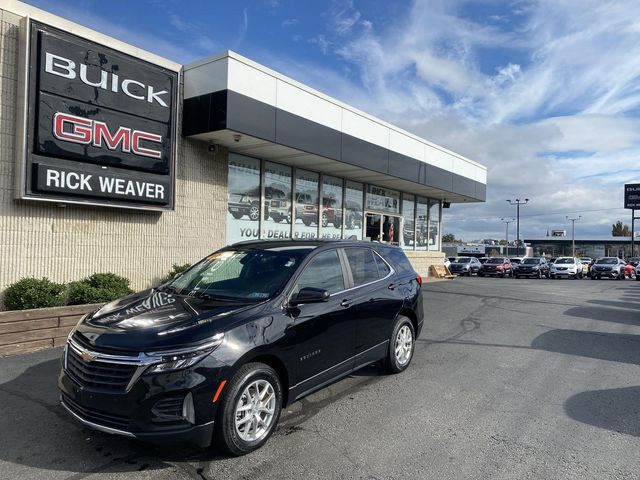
(309, 295)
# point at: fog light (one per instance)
(188, 411)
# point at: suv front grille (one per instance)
(98, 374)
(102, 371)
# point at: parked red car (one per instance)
(497, 266)
(630, 271)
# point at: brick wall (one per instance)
(66, 243)
(422, 260)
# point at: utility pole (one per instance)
(508, 221)
(517, 202)
(573, 233)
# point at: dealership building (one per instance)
(115, 159)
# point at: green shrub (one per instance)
(34, 293)
(175, 270)
(98, 288)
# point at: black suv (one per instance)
(531, 267)
(215, 354)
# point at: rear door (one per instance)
(324, 333)
(375, 300)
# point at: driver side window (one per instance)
(324, 271)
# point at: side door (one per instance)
(376, 297)
(323, 333)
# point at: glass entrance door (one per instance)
(383, 228)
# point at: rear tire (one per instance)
(401, 346)
(233, 437)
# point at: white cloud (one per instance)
(556, 122)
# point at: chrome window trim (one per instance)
(391, 271)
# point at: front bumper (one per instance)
(606, 273)
(564, 273)
(197, 435)
(152, 409)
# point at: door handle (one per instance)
(345, 303)
(392, 286)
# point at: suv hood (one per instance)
(153, 319)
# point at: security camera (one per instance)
(237, 137)
(213, 148)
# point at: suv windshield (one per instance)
(462, 260)
(240, 275)
(565, 260)
(607, 261)
(495, 260)
(531, 261)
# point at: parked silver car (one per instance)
(608, 267)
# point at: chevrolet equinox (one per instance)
(213, 355)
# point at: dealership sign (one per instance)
(632, 196)
(99, 125)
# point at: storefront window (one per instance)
(243, 211)
(422, 210)
(353, 211)
(277, 194)
(434, 224)
(408, 220)
(331, 212)
(306, 214)
(382, 199)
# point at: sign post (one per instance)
(632, 202)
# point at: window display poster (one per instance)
(353, 211)
(306, 205)
(277, 195)
(421, 223)
(382, 199)
(408, 221)
(331, 213)
(434, 224)
(243, 199)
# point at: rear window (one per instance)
(364, 268)
(398, 259)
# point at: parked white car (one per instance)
(570, 267)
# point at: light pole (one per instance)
(508, 221)
(517, 202)
(573, 233)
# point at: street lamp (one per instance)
(573, 233)
(517, 202)
(508, 221)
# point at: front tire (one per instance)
(401, 346)
(249, 410)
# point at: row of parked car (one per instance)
(540, 267)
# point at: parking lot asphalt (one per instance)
(511, 379)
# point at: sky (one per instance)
(545, 94)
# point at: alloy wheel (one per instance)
(255, 411)
(404, 345)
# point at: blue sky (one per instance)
(545, 94)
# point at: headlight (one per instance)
(178, 359)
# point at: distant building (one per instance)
(594, 247)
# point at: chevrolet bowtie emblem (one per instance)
(87, 357)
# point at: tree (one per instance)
(620, 230)
(449, 238)
(502, 242)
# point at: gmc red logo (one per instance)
(71, 128)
